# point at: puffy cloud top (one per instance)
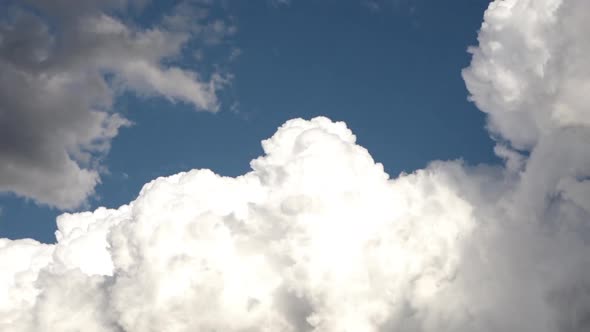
(530, 71)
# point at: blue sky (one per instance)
(392, 74)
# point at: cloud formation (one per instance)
(530, 72)
(62, 65)
(317, 237)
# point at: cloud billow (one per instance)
(317, 237)
(62, 66)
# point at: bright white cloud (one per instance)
(318, 238)
(315, 237)
(530, 71)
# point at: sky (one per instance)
(392, 74)
(292, 166)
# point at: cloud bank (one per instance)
(62, 65)
(317, 237)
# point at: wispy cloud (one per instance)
(62, 66)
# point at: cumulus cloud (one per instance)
(317, 237)
(530, 72)
(62, 65)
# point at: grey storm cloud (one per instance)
(317, 237)
(56, 103)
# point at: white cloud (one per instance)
(318, 238)
(530, 72)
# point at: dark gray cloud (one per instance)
(56, 116)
